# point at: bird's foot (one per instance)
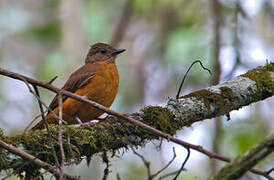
(90, 123)
(101, 119)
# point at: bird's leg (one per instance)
(78, 120)
(90, 123)
(101, 119)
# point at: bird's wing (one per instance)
(77, 80)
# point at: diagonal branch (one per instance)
(215, 101)
(40, 163)
(183, 165)
(60, 137)
(241, 165)
(253, 86)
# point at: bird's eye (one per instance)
(102, 51)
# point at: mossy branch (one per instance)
(114, 134)
(251, 87)
(241, 165)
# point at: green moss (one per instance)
(84, 142)
(263, 79)
(227, 93)
(224, 171)
(111, 134)
(223, 101)
(240, 165)
(1, 134)
(269, 66)
(3, 154)
(161, 118)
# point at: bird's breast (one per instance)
(104, 85)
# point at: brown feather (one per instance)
(77, 80)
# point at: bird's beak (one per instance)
(117, 51)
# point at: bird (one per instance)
(97, 80)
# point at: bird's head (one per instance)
(102, 52)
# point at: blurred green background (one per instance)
(45, 38)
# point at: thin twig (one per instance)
(35, 160)
(146, 163)
(168, 174)
(69, 144)
(60, 136)
(37, 96)
(167, 165)
(181, 85)
(270, 170)
(22, 78)
(177, 172)
(183, 165)
(45, 122)
(106, 161)
(53, 79)
(40, 102)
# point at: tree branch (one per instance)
(113, 134)
(60, 137)
(40, 163)
(241, 165)
(253, 86)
